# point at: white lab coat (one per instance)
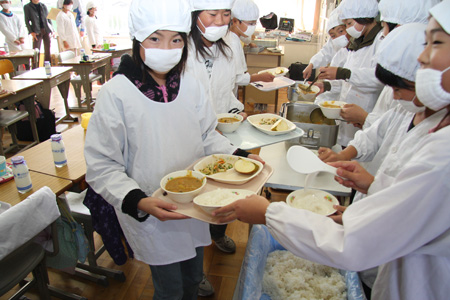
(362, 88)
(12, 28)
(324, 56)
(67, 30)
(242, 76)
(220, 87)
(93, 31)
(404, 228)
(80, 4)
(384, 103)
(132, 142)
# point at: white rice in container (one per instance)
(219, 197)
(288, 277)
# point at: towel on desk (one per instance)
(25, 220)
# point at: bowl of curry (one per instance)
(228, 122)
(182, 186)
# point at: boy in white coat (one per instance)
(12, 27)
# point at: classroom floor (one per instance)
(222, 269)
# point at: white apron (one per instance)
(132, 142)
(67, 29)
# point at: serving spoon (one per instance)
(304, 161)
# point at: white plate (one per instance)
(321, 203)
(278, 83)
(277, 72)
(231, 176)
(256, 119)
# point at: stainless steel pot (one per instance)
(323, 133)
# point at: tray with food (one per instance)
(278, 71)
(212, 190)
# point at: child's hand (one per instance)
(160, 209)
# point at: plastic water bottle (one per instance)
(58, 150)
(105, 45)
(21, 174)
(6, 48)
(48, 68)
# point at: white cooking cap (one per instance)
(245, 10)
(211, 4)
(90, 5)
(400, 49)
(441, 13)
(406, 11)
(147, 16)
(352, 9)
(333, 20)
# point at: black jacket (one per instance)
(32, 18)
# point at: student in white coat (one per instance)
(150, 119)
(339, 39)
(67, 29)
(93, 29)
(12, 27)
(211, 57)
(355, 81)
(245, 14)
(392, 15)
(403, 223)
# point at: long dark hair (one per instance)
(179, 68)
(200, 47)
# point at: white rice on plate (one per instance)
(220, 197)
(288, 277)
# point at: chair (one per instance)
(19, 255)
(7, 67)
(76, 80)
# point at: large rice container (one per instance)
(260, 244)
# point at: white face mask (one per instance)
(410, 106)
(429, 88)
(249, 32)
(162, 60)
(213, 33)
(353, 32)
(6, 6)
(69, 7)
(339, 42)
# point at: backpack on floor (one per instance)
(45, 123)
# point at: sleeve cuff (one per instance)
(343, 73)
(326, 86)
(240, 152)
(130, 202)
(234, 111)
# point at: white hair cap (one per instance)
(148, 16)
(400, 49)
(211, 4)
(405, 11)
(333, 20)
(90, 5)
(352, 9)
(441, 13)
(245, 10)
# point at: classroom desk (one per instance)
(60, 78)
(40, 157)
(100, 63)
(10, 194)
(116, 52)
(25, 57)
(284, 177)
(22, 91)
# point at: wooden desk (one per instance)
(9, 193)
(60, 77)
(117, 52)
(100, 62)
(25, 57)
(40, 158)
(257, 62)
(22, 91)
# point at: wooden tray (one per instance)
(193, 211)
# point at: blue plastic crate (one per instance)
(260, 244)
